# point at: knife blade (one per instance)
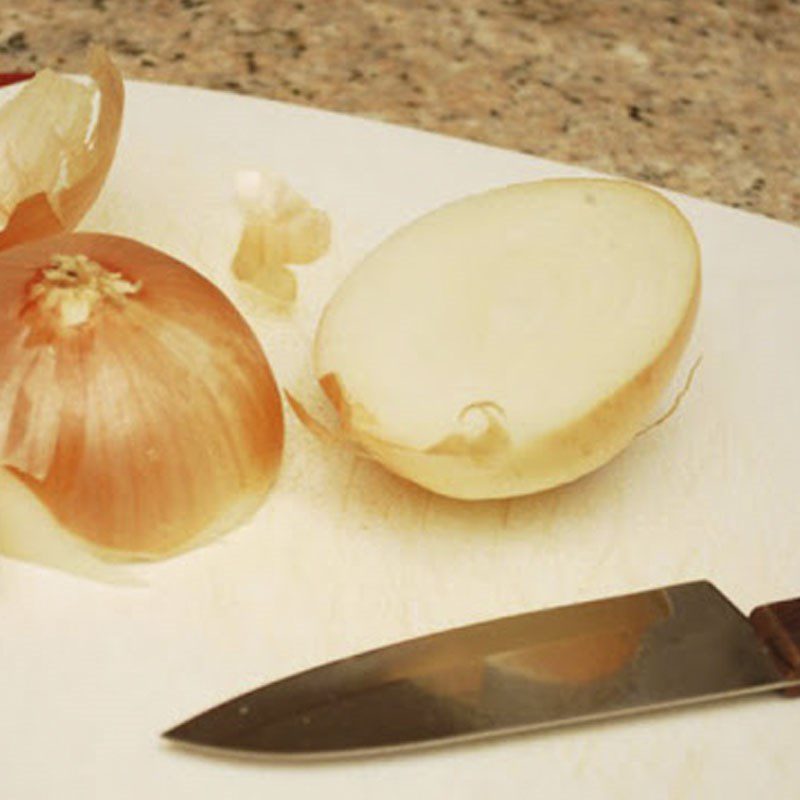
(605, 658)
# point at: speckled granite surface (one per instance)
(702, 96)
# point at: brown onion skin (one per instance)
(151, 452)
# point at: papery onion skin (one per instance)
(41, 215)
(152, 425)
(502, 463)
(280, 228)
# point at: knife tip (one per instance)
(178, 734)
(170, 736)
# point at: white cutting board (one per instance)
(345, 557)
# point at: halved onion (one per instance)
(138, 412)
(56, 149)
(514, 340)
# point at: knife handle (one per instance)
(778, 626)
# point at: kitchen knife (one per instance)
(622, 655)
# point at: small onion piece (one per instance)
(137, 408)
(280, 228)
(55, 151)
(514, 340)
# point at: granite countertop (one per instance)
(695, 95)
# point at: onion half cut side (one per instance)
(514, 340)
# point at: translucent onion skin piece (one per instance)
(280, 228)
(513, 341)
(146, 425)
(54, 209)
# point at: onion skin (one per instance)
(154, 424)
(280, 228)
(40, 215)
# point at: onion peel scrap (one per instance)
(312, 424)
(479, 432)
(280, 228)
(54, 155)
(482, 434)
(676, 401)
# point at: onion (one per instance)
(137, 410)
(514, 340)
(56, 150)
